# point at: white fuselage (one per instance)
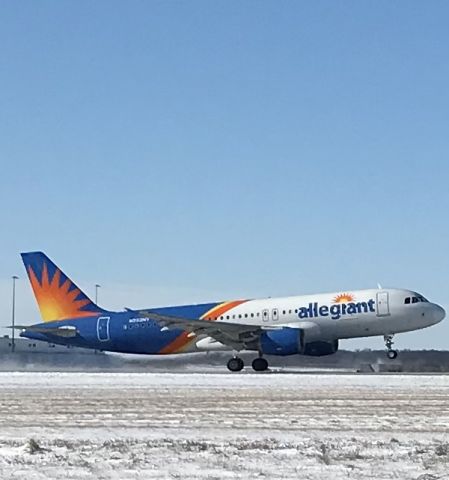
(340, 315)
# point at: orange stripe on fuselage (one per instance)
(221, 309)
(178, 343)
(183, 340)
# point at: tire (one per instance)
(235, 364)
(260, 364)
(392, 354)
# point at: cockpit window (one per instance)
(415, 299)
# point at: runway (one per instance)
(140, 426)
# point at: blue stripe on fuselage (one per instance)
(139, 336)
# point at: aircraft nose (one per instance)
(438, 313)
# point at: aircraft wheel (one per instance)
(235, 364)
(259, 364)
(392, 354)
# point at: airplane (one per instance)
(296, 325)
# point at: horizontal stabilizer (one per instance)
(65, 331)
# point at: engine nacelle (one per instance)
(319, 349)
(285, 341)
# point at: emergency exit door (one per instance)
(103, 329)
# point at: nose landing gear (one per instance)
(391, 354)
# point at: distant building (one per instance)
(30, 355)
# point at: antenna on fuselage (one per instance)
(379, 286)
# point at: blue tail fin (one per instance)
(57, 296)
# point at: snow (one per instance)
(231, 426)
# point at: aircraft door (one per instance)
(103, 329)
(265, 315)
(275, 314)
(383, 307)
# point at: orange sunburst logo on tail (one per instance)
(58, 300)
(344, 298)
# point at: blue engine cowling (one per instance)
(290, 341)
(285, 341)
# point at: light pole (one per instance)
(13, 337)
(96, 293)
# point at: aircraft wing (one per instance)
(235, 335)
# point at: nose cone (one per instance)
(438, 313)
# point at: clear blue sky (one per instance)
(185, 151)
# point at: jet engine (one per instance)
(285, 341)
(319, 349)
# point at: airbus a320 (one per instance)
(295, 325)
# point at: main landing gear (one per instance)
(391, 354)
(259, 364)
(235, 364)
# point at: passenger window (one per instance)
(407, 300)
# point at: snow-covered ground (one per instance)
(186, 426)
